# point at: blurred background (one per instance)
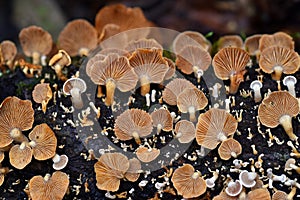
(244, 17)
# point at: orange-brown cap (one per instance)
(185, 131)
(3, 172)
(262, 194)
(143, 44)
(133, 172)
(60, 161)
(251, 44)
(172, 68)
(42, 93)
(147, 155)
(162, 120)
(229, 148)
(8, 52)
(1, 156)
(230, 41)
(49, 187)
(277, 39)
(20, 155)
(59, 61)
(78, 37)
(214, 126)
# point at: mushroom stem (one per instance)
(145, 85)
(290, 82)
(276, 75)
(110, 92)
(17, 135)
(292, 193)
(286, 123)
(58, 70)
(295, 167)
(136, 137)
(47, 177)
(44, 106)
(192, 113)
(198, 73)
(147, 99)
(159, 128)
(235, 80)
(83, 52)
(99, 91)
(35, 58)
(196, 175)
(221, 137)
(76, 97)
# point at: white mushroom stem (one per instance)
(216, 90)
(290, 82)
(276, 75)
(295, 167)
(147, 96)
(222, 137)
(32, 144)
(227, 105)
(159, 128)
(36, 58)
(56, 158)
(47, 177)
(196, 175)
(210, 182)
(153, 93)
(192, 112)
(96, 110)
(145, 85)
(198, 73)
(76, 97)
(255, 86)
(136, 137)
(17, 135)
(110, 92)
(286, 122)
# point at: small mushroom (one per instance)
(229, 148)
(251, 44)
(142, 44)
(230, 41)
(3, 172)
(260, 193)
(210, 182)
(256, 86)
(234, 188)
(134, 170)
(281, 195)
(188, 182)
(162, 120)
(8, 52)
(280, 39)
(185, 131)
(59, 61)
(42, 93)
(75, 87)
(290, 82)
(59, 161)
(20, 155)
(247, 179)
(147, 155)
(49, 187)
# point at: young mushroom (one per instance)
(229, 148)
(256, 86)
(185, 131)
(20, 155)
(290, 82)
(247, 179)
(59, 161)
(277, 39)
(3, 172)
(261, 193)
(8, 52)
(279, 108)
(230, 41)
(42, 93)
(210, 182)
(75, 87)
(59, 61)
(147, 155)
(134, 170)
(162, 120)
(234, 188)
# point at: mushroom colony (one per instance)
(113, 111)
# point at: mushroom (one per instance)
(133, 123)
(20, 155)
(75, 87)
(172, 68)
(110, 169)
(59, 61)
(59, 161)
(49, 187)
(185, 131)
(276, 60)
(214, 126)
(43, 142)
(260, 193)
(256, 86)
(229, 148)
(230, 41)
(3, 172)
(162, 120)
(35, 42)
(234, 188)
(272, 177)
(174, 88)
(147, 155)
(188, 182)
(277, 39)
(210, 182)
(134, 170)
(251, 44)
(247, 179)
(215, 90)
(290, 82)
(279, 108)
(193, 59)
(142, 43)
(281, 195)
(150, 67)
(190, 101)
(113, 72)
(230, 63)
(16, 115)
(8, 52)
(42, 93)
(78, 37)
(224, 196)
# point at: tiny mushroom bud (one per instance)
(247, 178)
(75, 87)
(256, 85)
(290, 82)
(59, 61)
(60, 161)
(234, 188)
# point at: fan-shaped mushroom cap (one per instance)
(281, 195)
(8, 52)
(59, 61)
(192, 38)
(261, 194)
(43, 142)
(3, 172)
(60, 161)
(133, 123)
(278, 60)
(15, 116)
(247, 178)
(230, 63)
(78, 37)
(35, 42)
(229, 148)
(174, 88)
(109, 169)
(20, 155)
(75, 87)
(42, 93)
(143, 44)
(230, 41)
(234, 188)
(162, 119)
(185, 131)
(172, 68)
(150, 67)
(133, 172)
(277, 39)
(113, 72)
(279, 108)
(187, 182)
(251, 44)
(49, 187)
(214, 126)
(146, 155)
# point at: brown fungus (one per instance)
(58, 62)
(251, 44)
(42, 93)
(162, 120)
(8, 52)
(229, 148)
(3, 172)
(230, 41)
(261, 194)
(20, 155)
(75, 87)
(185, 131)
(147, 155)
(134, 170)
(280, 39)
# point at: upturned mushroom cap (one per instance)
(143, 44)
(262, 194)
(230, 41)
(110, 169)
(75, 87)
(247, 178)
(278, 108)
(133, 123)
(42, 93)
(59, 61)
(174, 88)
(214, 126)
(8, 52)
(288, 163)
(162, 120)
(234, 188)
(133, 172)
(230, 63)
(251, 44)
(78, 37)
(190, 101)
(229, 148)
(278, 60)
(185, 131)
(35, 42)
(49, 187)
(20, 155)
(60, 161)
(147, 155)
(277, 39)
(187, 182)
(43, 142)
(15, 115)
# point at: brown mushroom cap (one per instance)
(174, 88)
(162, 119)
(251, 44)
(185, 131)
(187, 182)
(133, 123)
(279, 60)
(35, 42)
(20, 155)
(214, 126)
(17, 115)
(261, 194)
(60, 161)
(8, 52)
(72, 83)
(109, 169)
(147, 155)
(133, 172)
(229, 148)
(234, 188)
(277, 39)
(224, 196)
(78, 37)
(59, 61)
(230, 41)
(49, 187)
(3, 172)
(1, 156)
(143, 44)
(43, 142)
(42, 93)
(279, 195)
(172, 68)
